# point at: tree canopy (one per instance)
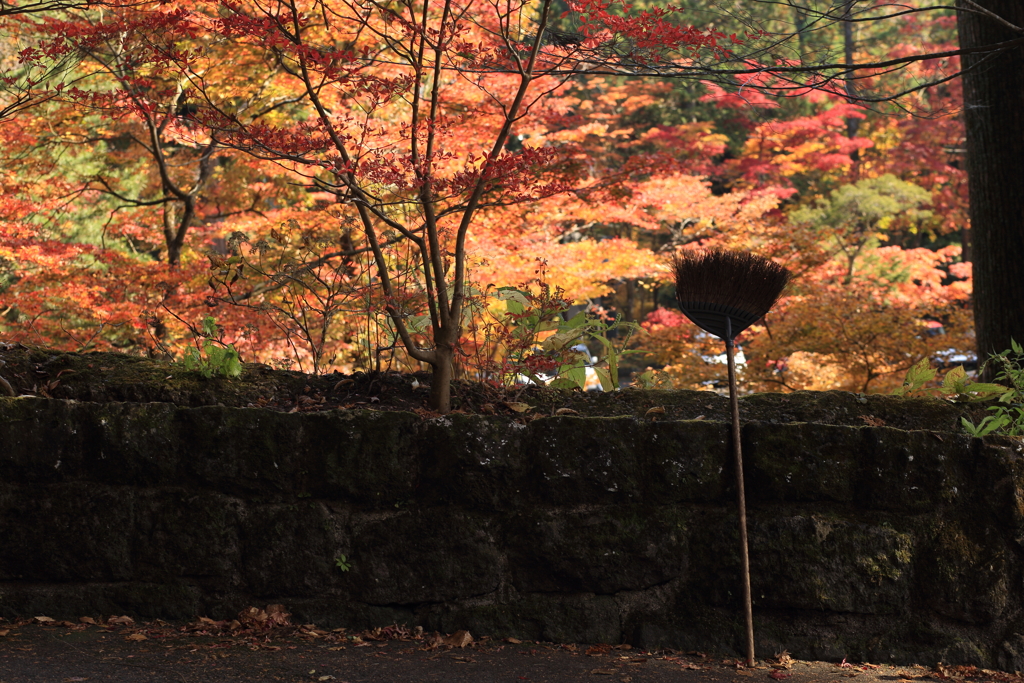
(350, 184)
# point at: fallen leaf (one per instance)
(459, 639)
(872, 421)
(43, 620)
(566, 411)
(251, 616)
(602, 672)
(782, 661)
(137, 637)
(623, 646)
(278, 615)
(514, 641)
(87, 620)
(342, 383)
(519, 407)
(654, 412)
(778, 675)
(121, 620)
(4, 632)
(326, 678)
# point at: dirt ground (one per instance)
(262, 646)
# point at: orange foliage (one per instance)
(99, 182)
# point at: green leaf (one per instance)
(577, 375)
(955, 379)
(920, 374)
(1017, 348)
(644, 380)
(982, 391)
(606, 379)
(231, 366)
(224, 361)
(515, 301)
(917, 376)
(192, 360)
(561, 340)
(418, 324)
(562, 383)
(986, 426)
(578, 320)
(210, 326)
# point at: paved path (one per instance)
(61, 652)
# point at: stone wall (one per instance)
(872, 543)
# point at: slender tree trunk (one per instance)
(994, 120)
(630, 305)
(441, 379)
(852, 123)
(800, 21)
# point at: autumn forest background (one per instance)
(353, 185)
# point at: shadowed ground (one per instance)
(153, 652)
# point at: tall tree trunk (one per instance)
(994, 119)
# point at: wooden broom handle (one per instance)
(734, 403)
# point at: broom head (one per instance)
(725, 292)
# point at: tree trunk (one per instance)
(852, 123)
(994, 120)
(441, 380)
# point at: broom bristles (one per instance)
(740, 281)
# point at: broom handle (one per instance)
(748, 611)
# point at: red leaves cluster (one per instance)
(650, 32)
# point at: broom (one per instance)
(724, 293)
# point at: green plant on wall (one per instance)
(1008, 414)
(343, 563)
(1008, 391)
(210, 356)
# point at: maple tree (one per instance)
(382, 131)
